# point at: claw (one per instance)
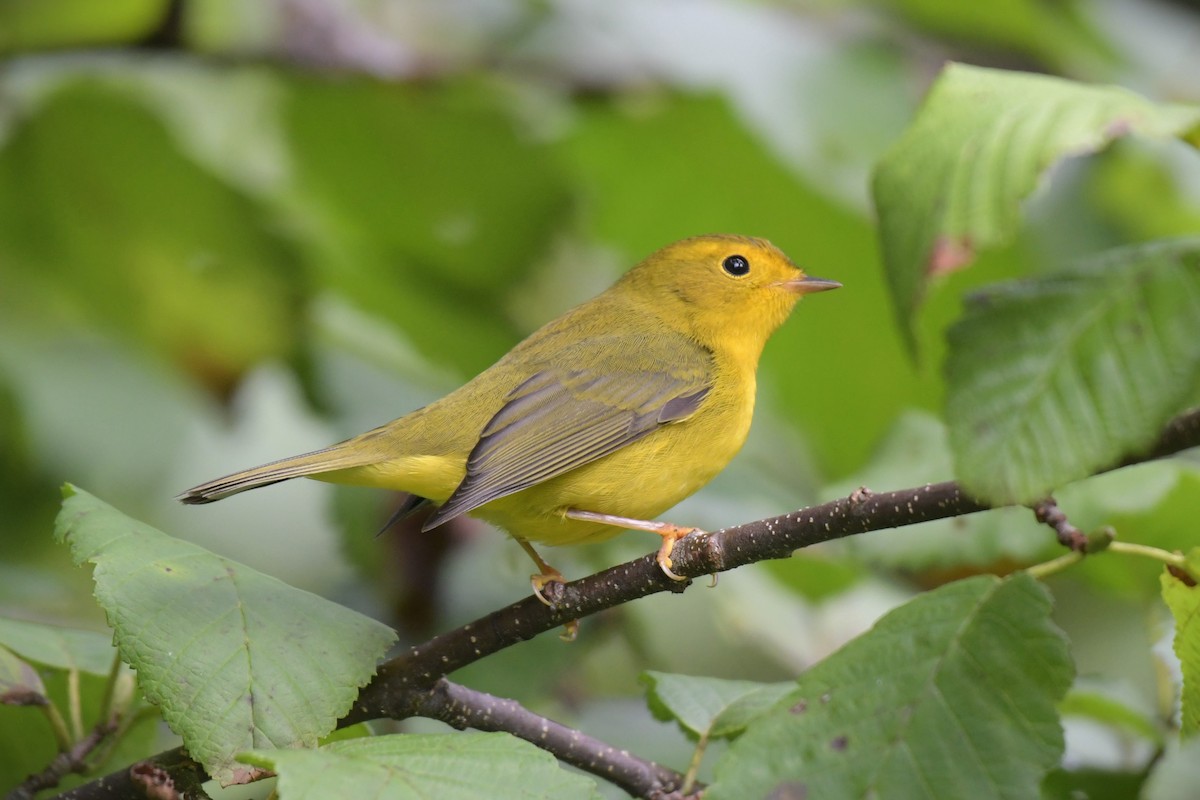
(539, 581)
(670, 535)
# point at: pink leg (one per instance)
(669, 532)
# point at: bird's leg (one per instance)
(669, 532)
(547, 574)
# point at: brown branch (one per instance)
(400, 683)
(777, 537)
(463, 708)
(170, 775)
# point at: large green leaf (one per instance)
(487, 766)
(1054, 378)
(949, 696)
(952, 185)
(119, 228)
(235, 659)
(1183, 598)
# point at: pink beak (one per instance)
(809, 285)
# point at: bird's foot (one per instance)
(669, 532)
(670, 535)
(541, 580)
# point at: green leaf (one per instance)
(1055, 33)
(488, 766)
(710, 707)
(952, 185)
(28, 25)
(1093, 784)
(426, 207)
(949, 696)
(20, 684)
(235, 659)
(55, 646)
(119, 228)
(1183, 598)
(1103, 708)
(815, 576)
(1052, 379)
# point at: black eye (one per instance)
(736, 265)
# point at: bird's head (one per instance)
(722, 289)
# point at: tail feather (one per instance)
(327, 460)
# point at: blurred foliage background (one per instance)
(231, 232)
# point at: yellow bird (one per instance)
(600, 420)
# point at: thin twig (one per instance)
(1070, 537)
(71, 760)
(462, 708)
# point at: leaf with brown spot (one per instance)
(952, 186)
(949, 255)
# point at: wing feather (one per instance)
(560, 419)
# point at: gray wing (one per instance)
(559, 420)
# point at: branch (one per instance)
(413, 682)
(1048, 513)
(170, 775)
(462, 708)
(776, 537)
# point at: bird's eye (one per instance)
(736, 265)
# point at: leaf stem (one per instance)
(689, 777)
(75, 705)
(62, 734)
(1176, 560)
(110, 685)
(1054, 565)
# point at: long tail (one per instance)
(339, 456)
